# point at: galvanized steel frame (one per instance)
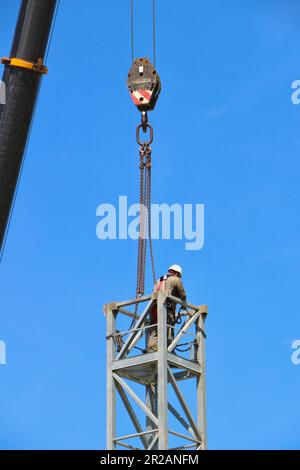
(156, 405)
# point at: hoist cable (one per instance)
(153, 30)
(52, 30)
(132, 30)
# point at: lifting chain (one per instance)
(145, 207)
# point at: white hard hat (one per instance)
(177, 268)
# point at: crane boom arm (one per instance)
(21, 85)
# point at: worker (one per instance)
(170, 283)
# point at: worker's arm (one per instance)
(180, 288)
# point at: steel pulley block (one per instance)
(144, 84)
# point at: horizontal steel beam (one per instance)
(188, 446)
(184, 375)
(203, 309)
(143, 328)
(178, 434)
(184, 363)
(135, 301)
(127, 446)
(136, 434)
(152, 357)
(128, 313)
(134, 361)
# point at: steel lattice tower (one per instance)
(159, 373)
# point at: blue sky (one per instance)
(226, 135)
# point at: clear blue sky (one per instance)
(226, 135)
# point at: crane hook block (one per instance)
(144, 84)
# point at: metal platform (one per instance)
(156, 371)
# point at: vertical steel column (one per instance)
(151, 403)
(201, 381)
(162, 375)
(110, 384)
